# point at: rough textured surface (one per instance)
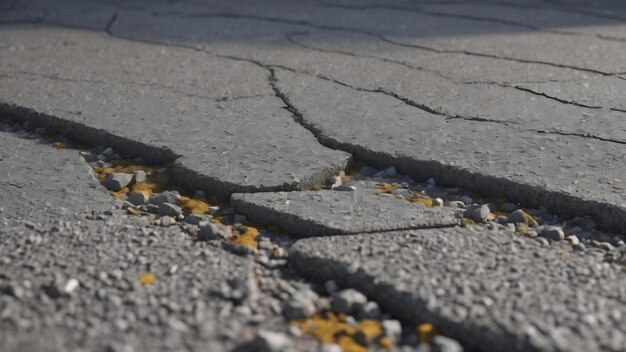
(328, 212)
(219, 115)
(39, 181)
(110, 308)
(514, 98)
(481, 287)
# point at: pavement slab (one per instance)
(554, 170)
(40, 181)
(330, 212)
(247, 142)
(481, 287)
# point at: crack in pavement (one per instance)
(583, 135)
(375, 35)
(472, 18)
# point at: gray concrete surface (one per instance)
(39, 181)
(329, 212)
(489, 80)
(489, 289)
(515, 99)
(220, 116)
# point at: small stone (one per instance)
(531, 233)
(437, 202)
(268, 341)
(392, 329)
(455, 204)
(139, 161)
(70, 286)
(370, 311)
(330, 347)
(196, 219)
(579, 247)
(167, 221)
(117, 181)
(170, 209)
(431, 181)
(164, 197)
(137, 198)
(390, 172)
(213, 232)
(140, 176)
(478, 213)
(466, 200)
(331, 287)
(502, 220)
(554, 233)
(239, 219)
(572, 239)
(606, 246)
(518, 217)
(542, 241)
(299, 306)
(108, 152)
(445, 344)
(348, 301)
(40, 130)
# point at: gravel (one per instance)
(137, 198)
(164, 197)
(478, 213)
(554, 233)
(117, 181)
(170, 209)
(348, 301)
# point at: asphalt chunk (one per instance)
(479, 286)
(328, 212)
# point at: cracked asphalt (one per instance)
(265, 106)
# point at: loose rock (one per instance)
(478, 213)
(213, 232)
(348, 301)
(268, 341)
(140, 176)
(137, 198)
(164, 197)
(117, 181)
(554, 233)
(170, 209)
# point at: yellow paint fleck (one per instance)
(330, 328)
(426, 332)
(386, 342)
(420, 198)
(59, 144)
(194, 206)
(132, 211)
(387, 187)
(466, 221)
(311, 187)
(247, 238)
(118, 194)
(147, 279)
